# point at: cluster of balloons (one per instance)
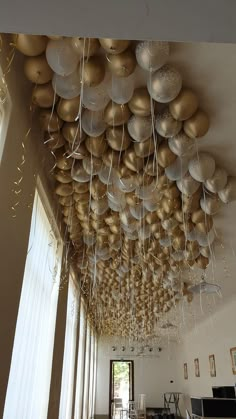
(132, 185)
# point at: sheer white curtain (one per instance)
(30, 374)
(87, 373)
(67, 386)
(80, 364)
(91, 374)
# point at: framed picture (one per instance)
(185, 371)
(212, 365)
(233, 359)
(197, 369)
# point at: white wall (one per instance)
(152, 376)
(216, 335)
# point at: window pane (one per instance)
(69, 351)
(86, 375)
(30, 374)
(80, 366)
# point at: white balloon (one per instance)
(100, 206)
(148, 191)
(116, 206)
(191, 235)
(151, 204)
(106, 175)
(166, 242)
(218, 181)
(178, 255)
(152, 55)
(205, 239)
(116, 196)
(165, 84)
(210, 204)
(138, 212)
(61, 57)
(67, 87)
(144, 232)
(202, 167)
(182, 145)
(92, 165)
(140, 127)
(205, 251)
(125, 184)
(169, 224)
(93, 123)
(121, 89)
(228, 194)
(187, 185)
(96, 98)
(178, 169)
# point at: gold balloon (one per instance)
(72, 133)
(98, 189)
(152, 168)
(66, 201)
(199, 216)
(112, 220)
(81, 187)
(170, 205)
(205, 226)
(93, 71)
(122, 65)
(145, 148)
(114, 46)
(115, 114)
(202, 262)
(64, 189)
(30, 45)
(63, 162)
(132, 200)
(54, 140)
(118, 138)
(37, 69)
(78, 152)
(187, 226)
(44, 96)
(184, 105)
(115, 229)
(152, 218)
(85, 47)
(68, 109)
(162, 215)
(197, 125)
(111, 158)
(132, 161)
(49, 120)
(191, 203)
(140, 103)
(96, 145)
(165, 157)
(172, 192)
(62, 176)
(178, 242)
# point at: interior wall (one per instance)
(216, 335)
(152, 376)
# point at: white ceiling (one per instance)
(182, 20)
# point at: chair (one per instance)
(132, 409)
(118, 407)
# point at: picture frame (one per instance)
(233, 359)
(185, 371)
(212, 364)
(197, 367)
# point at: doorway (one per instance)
(121, 386)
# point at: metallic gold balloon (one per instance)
(199, 216)
(166, 125)
(30, 45)
(64, 189)
(85, 47)
(44, 96)
(49, 120)
(152, 218)
(111, 158)
(37, 69)
(72, 133)
(54, 140)
(170, 205)
(122, 65)
(66, 201)
(81, 187)
(62, 176)
(132, 200)
(145, 148)
(132, 161)
(162, 215)
(140, 104)
(172, 192)
(96, 145)
(152, 168)
(68, 109)
(197, 125)
(165, 157)
(205, 226)
(98, 189)
(202, 262)
(184, 105)
(62, 162)
(78, 152)
(115, 114)
(93, 71)
(118, 138)
(114, 46)
(178, 242)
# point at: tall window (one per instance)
(67, 387)
(29, 380)
(80, 366)
(87, 373)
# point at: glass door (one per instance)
(121, 387)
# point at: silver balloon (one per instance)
(205, 239)
(210, 204)
(100, 206)
(228, 194)
(106, 175)
(187, 185)
(92, 165)
(67, 87)
(166, 125)
(116, 206)
(182, 145)
(178, 255)
(202, 167)
(96, 98)
(89, 239)
(165, 84)
(125, 184)
(121, 89)
(178, 169)
(218, 181)
(93, 123)
(166, 242)
(151, 204)
(61, 57)
(138, 212)
(79, 174)
(169, 224)
(152, 55)
(144, 232)
(140, 127)
(205, 251)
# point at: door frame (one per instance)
(110, 381)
